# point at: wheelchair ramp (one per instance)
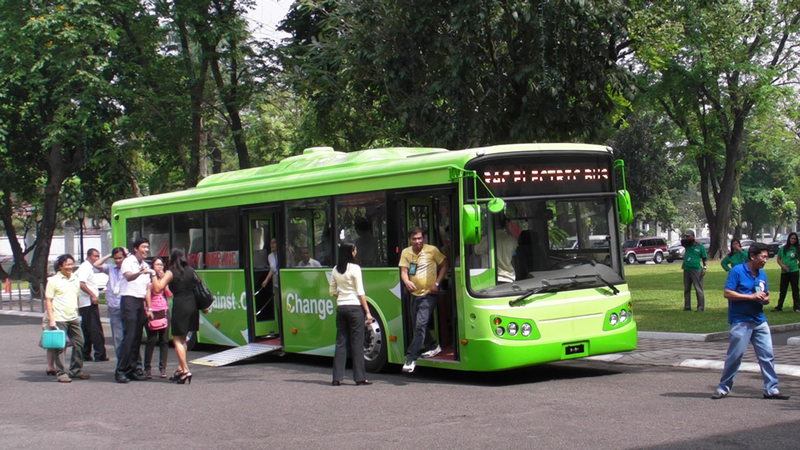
(236, 354)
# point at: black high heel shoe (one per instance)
(186, 378)
(176, 376)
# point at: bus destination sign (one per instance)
(545, 176)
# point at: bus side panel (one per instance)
(309, 311)
(229, 309)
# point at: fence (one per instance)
(16, 295)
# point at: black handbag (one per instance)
(202, 296)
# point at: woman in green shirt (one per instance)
(788, 259)
(735, 257)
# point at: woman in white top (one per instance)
(352, 313)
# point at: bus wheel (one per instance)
(191, 340)
(376, 345)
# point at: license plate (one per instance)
(573, 349)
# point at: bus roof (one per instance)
(327, 166)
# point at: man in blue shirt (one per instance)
(747, 293)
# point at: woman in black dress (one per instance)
(185, 317)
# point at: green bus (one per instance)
(526, 284)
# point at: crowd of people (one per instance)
(137, 300)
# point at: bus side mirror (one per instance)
(624, 207)
(471, 224)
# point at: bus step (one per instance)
(236, 354)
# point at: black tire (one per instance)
(658, 258)
(376, 345)
(631, 258)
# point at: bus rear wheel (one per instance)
(376, 345)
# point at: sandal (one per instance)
(176, 376)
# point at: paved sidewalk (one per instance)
(706, 351)
(699, 351)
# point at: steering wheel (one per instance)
(572, 262)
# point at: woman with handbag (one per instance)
(157, 327)
(181, 279)
(352, 312)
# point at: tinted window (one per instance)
(133, 229)
(156, 230)
(308, 233)
(222, 239)
(187, 234)
(362, 219)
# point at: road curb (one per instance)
(719, 336)
(781, 369)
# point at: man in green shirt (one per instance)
(694, 269)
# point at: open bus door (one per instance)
(434, 215)
(264, 305)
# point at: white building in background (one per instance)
(69, 242)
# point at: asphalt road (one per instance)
(287, 402)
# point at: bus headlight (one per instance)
(526, 329)
(613, 319)
(513, 328)
(623, 316)
(500, 331)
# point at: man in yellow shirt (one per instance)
(418, 272)
(61, 301)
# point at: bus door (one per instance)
(434, 215)
(263, 300)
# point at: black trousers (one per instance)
(133, 320)
(92, 333)
(156, 338)
(787, 279)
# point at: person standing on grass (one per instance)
(693, 271)
(790, 273)
(747, 292)
(735, 257)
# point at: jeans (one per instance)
(693, 277)
(73, 329)
(92, 333)
(759, 335)
(788, 278)
(115, 320)
(424, 306)
(349, 330)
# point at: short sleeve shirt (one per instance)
(84, 273)
(138, 287)
(64, 292)
(422, 267)
(789, 259)
(693, 259)
(741, 280)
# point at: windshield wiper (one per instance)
(572, 282)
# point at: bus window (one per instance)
(307, 233)
(187, 234)
(222, 239)
(156, 230)
(362, 219)
(133, 230)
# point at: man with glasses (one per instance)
(747, 293)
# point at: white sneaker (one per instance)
(432, 353)
(409, 366)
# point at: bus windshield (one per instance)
(535, 242)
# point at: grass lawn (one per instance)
(657, 294)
